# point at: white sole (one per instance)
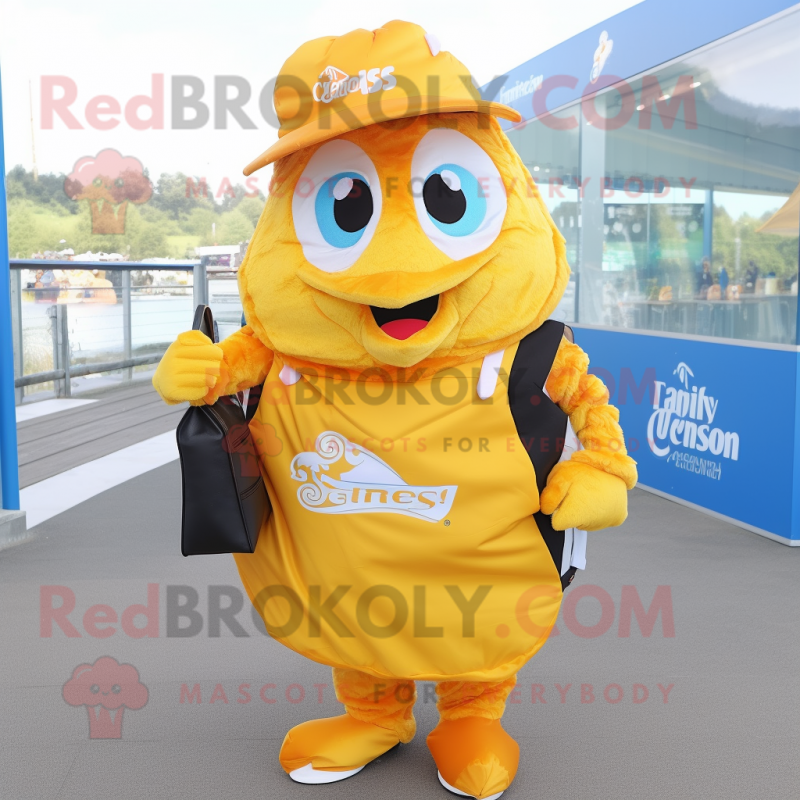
(309, 775)
(463, 794)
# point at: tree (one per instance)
(48, 190)
(251, 207)
(177, 195)
(234, 227)
(198, 222)
(150, 241)
(770, 253)
(41, 215)
(23, 238)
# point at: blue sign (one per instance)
(627, 44)
(710, 423)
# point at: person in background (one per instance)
(706, 279)
(750, 278)
(723, 281)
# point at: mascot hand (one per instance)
(189, 370)
(580, 496)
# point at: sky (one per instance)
(114, 49)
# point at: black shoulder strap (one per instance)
(253, 400)
(536, 353)
(541, 424)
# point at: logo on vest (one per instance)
(334, 83)
(340, 477)
(682, 425)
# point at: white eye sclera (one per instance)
(459, 194)
(336, 205)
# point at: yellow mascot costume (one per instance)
(414, 425)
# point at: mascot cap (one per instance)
(336, 84)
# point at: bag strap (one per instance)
(252, 402)
(204, 322)
(534, 360)
(541, 425)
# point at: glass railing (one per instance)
(77, 328)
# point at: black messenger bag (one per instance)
(225, 501)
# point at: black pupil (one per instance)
(352, 213)
(442, 203)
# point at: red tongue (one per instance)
(403, 328)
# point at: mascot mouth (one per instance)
(400, 323)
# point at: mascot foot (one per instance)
(463, 794)
(475, 756)
(332, 749)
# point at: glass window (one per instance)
(553, 159)
(682, 170)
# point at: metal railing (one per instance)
(58, 315)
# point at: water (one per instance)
(96, 329)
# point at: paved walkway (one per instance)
(119, 417)
(721, 718)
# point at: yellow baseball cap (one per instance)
(339, 83)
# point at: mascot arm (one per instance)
(588, 491)
(196, 370)
(245, 363)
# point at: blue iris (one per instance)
(475, 211)
(323, 207)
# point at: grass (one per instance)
(182, 246)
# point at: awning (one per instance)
(786, 220)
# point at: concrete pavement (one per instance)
(721, 718)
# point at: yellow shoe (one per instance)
(332, 749)
(475, 756)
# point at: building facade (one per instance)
(666, 144)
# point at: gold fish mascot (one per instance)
(416, 429)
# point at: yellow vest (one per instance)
(402, 541)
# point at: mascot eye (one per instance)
(445, 196)
(336, 205)
(343, 208)
(458, 193)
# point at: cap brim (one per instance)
(399, 108)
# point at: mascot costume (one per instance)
(416, 430)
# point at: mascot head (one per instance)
(401, 229)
